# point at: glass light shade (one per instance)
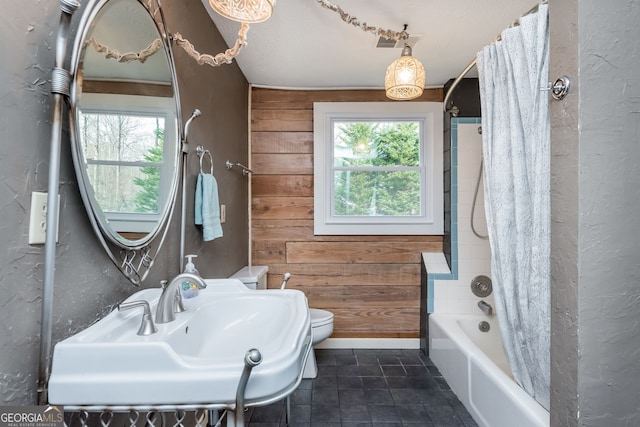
(405, 77)
(250, 11)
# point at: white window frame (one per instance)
(96, 103)
(431, 220)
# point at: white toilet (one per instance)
(321, 329)
(255, 277)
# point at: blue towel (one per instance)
(198, 207)
(207, 207)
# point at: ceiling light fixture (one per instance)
(250, 11)
(405, 77)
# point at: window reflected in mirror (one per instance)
(128, 152)
(119, 150)
(126, 122)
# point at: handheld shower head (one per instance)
(196, 113)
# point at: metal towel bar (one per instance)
(245, 170)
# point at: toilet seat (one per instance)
(315, 325)
(320, 317)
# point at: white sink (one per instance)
(196, 359)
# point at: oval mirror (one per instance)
(124, 120)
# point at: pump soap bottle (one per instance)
(188, 288)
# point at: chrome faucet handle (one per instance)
(178, 306)
(147, 327)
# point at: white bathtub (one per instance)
(474, 365)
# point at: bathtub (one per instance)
(474, 365)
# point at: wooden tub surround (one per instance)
(370, 283)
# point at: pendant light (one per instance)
(250, 11)
(405, 77)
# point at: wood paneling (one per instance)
(364, 296)
(370, 283)
(372, 252)
(325, 276)
(282, 142)
(292, 185)
(282, 164)
(375, 323)
(279, 207)
(127, 88)
(282, 120)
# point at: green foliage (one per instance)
(146, 199)
(399, 145)
(370, 186)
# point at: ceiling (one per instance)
(306, 46)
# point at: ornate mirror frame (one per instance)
(134, 258)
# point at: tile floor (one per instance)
(369, 388)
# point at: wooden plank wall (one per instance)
(370, 283)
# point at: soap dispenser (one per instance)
(190, 289)
(190, 267)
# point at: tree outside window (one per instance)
(124, 155)
(376, 168)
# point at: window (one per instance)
(378, 168)
(126, 156)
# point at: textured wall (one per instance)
(609, 203)
(87, 284)
(595, 200)
(564, 217)
(222, 95)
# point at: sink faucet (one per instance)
(146, 327)
(165, 312)
(486, 307)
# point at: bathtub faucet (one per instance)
(486, 307)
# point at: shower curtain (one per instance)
(513, 74)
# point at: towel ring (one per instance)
(200, 151)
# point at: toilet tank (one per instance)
(253, 276)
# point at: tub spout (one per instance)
(486, 307)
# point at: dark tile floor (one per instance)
(369, 388)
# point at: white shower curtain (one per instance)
(515, 133)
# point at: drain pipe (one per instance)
(60, 83)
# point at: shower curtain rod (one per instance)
(473, 63)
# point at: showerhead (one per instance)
(196, 113)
